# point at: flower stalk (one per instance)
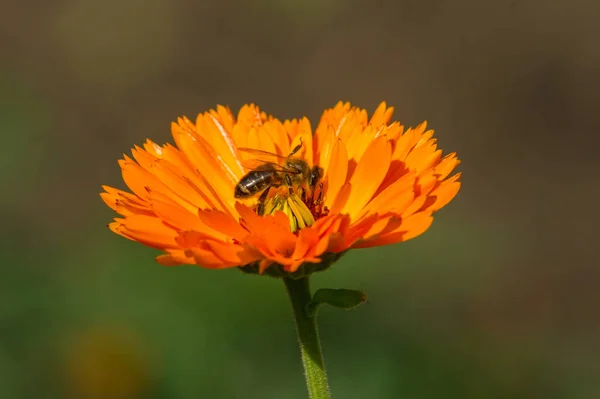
(308, 338)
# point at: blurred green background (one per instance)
(499, 299)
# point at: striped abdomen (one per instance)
(254, 182)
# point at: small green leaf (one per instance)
(338, 298)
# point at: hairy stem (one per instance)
(308, 337)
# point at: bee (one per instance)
(272, 170)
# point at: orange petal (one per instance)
(382, 115)
(422, 154)
(325, 143)
(249, 219)
(393, 132)
(264, 264)
(250, 114)
(341, 200)
(411, 227)
(229, 253)
(384, 225)
(359, 140)
(395, 198)
(356, 231)
(445, 192)
(137, 178)
(446, 166)
(258, 138)
(396, 171)
(126, 208)
(178, 188)
(148, 230)
(305, 132)
(407, 141)
(208, 259)
(224, 116)
(369, 174)
(181, 219)
(184, 167)
(123, 202)
(415, 206)
(425, 183)
(110, 200)
(175, 257)
(279, 136)
(208, 165)
(225, 223)
(338, 168)
(221, 140)
(307, 240)
(117, 228)
(269, 234)
(170, 180)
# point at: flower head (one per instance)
(355, 182)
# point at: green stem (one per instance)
(308, 337)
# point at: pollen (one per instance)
(298, 214)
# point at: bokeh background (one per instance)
(499, 299)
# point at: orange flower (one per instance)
(380, 185)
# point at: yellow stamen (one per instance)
(292, 205)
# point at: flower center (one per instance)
(314, 201)
(302, 206)
(299, 215)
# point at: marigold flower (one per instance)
(379, 185)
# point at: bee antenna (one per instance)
(297, 148)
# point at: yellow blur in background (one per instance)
(104, 362)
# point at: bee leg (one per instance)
(315, 176)
(260, 205)
(320, 193)
(288, 182)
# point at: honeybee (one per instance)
(273, 170)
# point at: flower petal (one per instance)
(338, 168)
(445, 192)
(224, 223)
(369, 174)
(382, 115)
(410, 227)
(175, 257)
(221, 141)
(147, 230)
(395, 198)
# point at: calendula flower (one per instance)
(372, 183)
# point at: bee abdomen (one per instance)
(253, 183)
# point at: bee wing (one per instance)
(253, 164)
(260, 158)
(264, 155)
